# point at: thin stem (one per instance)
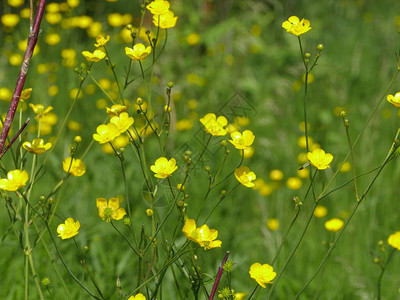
(382, 272)
(219, 275)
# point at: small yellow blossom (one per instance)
(242, 140)
(106, 133)
(346, 167)
(294, 26)
(15, 3)
(319, 159)
(245, 176)
(5, 94)
(96, 56)
(302, 141)
(115, 110)
(149, 212)
(248, 152)
(213, 125)
(334, 224)
(164, 167)
(262, 273)
(52, 39)
(139, 296)
(320, 211)
(165, 21)
(276, 175)
(101, 40)
(15, 179)
(68, 229)
(395, 100)
(240, 296)
(193, 39)
(37, 146)
(110, 210)
(74, 166)
(10, 20)
(394, 240)
(303, 173)
(294, 183)
(40, 110)
(123, 121)
(138, 52)
(203, 235)
(25, 94)
(158, 7)
(273, 224)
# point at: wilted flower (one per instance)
(262, 273)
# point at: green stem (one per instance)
(382, 272)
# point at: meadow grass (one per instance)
(244, 66)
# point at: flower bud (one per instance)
(320, 47)
(78, 139)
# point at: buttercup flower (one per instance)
(116, 109)
(165, 21)
(96, 56)
(123, 121)
(164, 167)
(68, 229)
(245, 176)
(37, 146)
(139, 296)
(203, 235)
(138, 52)
(334, 224)
(213, 125)
(106, 133)
(110, 210)
(320, 211)
(25, 94)
(158, 7)
(101, 40)
(40, 110)
(262, 273)
(242, 141)
(295, 26)
(319, 159)
(76, 167)
(395, 100)
(273, 224)
(15, 180)
(394, 240)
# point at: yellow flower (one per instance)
(293, 183)
(164, 167)
(101, 40)
(245, 176)
(346, 167)
(213, 125)
(276, 175)
(158, 7)
(203, 235)
(242, 141)
(110, 210)
(37, 146)
(295, 26)
(25, 94)
(115, 110)
(139, 296)
(123, 121)
(68, 229)
(149, 212)
(395, 100)
(193, 39)
(320, 211)
(262, 273)
(40, 110)
(106, 133)
(319, 159)
(74, 166)
(138, 52)
(15, 3)
(165, 21)
(394, 240)
(10, 20)
(15, 180)
(333, 225)
(52, 38)
(96, 56)
(273, 224)
(240, 296)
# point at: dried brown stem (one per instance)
(32, 39)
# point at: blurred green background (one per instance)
(231, 58)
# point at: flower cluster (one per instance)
(162, 16)
(203, 235)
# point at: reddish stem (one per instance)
(32, 39)
(219, 275)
